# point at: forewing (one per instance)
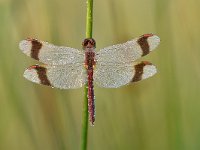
(49, 53)
(113, 76)
(63, 77)
(129, 51)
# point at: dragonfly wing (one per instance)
(113, 76)
(62, 76)
(49, 53)
(129, 51)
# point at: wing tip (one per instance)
(31, 74)
(149, 70)
(25, 46)
(153, 40)
(37, 74)
(143, 70)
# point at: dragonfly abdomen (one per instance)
(89, 63)
(91, 103)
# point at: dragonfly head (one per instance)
(89, 43)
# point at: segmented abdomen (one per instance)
(89, 63)
(91, 103)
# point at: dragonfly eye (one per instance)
(89, 43)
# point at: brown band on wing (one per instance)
(139, 71)
(142, 41)
(42, 75)
(36, 46)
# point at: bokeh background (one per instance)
(161, 113)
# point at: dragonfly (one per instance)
(70, 68)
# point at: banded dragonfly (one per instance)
(70, 68)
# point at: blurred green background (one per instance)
(160, 113)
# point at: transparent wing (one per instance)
(63, 77)
(129, 51)
(110, 75)
(49, 53)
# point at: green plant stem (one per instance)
(85, 120)
(89, 20)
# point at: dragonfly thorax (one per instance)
(89, 43)
(89, 58)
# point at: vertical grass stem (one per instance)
(89, 23)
